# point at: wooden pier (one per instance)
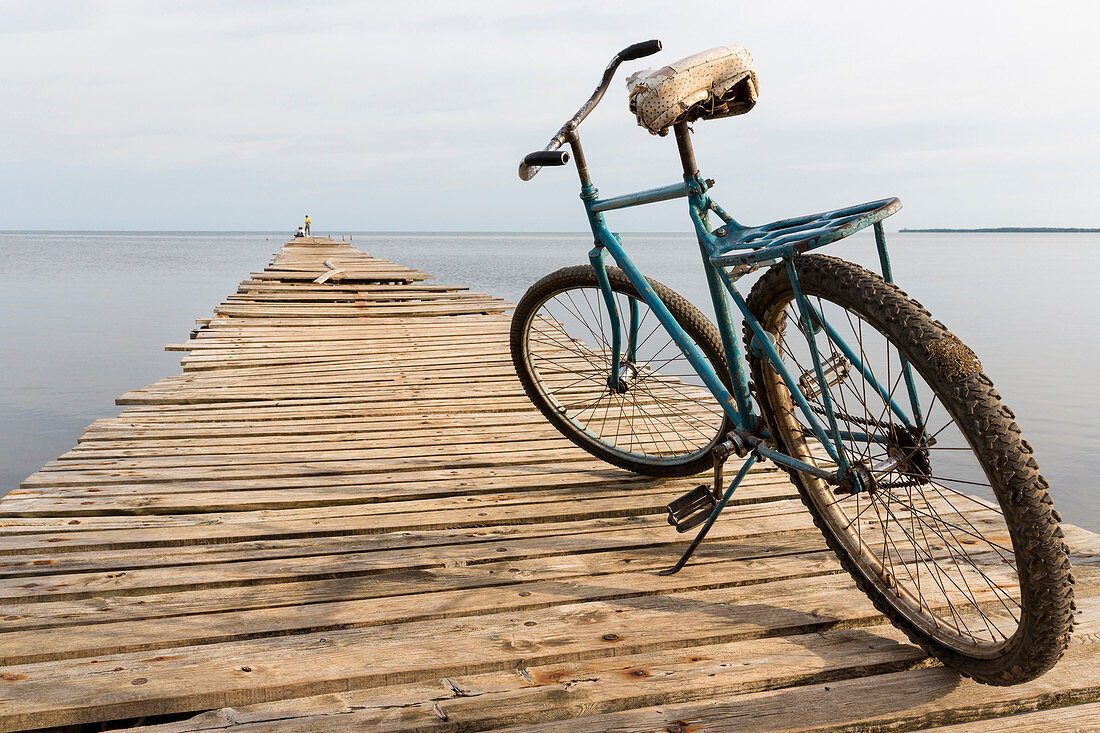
(345, 515)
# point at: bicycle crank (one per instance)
(702, 505)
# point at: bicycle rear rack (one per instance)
(739, 246)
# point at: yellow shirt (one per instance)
(307, 221)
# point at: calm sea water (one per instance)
(85, 316)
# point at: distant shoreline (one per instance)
(1021, 230)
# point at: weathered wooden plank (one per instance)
(130, 500)
(597, 555)
(569, 580)
(397, 485)
(896, 701)
(132, 430)
(602, 684)
(1081, 718)
(91, 476)
(60, 534)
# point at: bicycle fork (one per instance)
(621, 373)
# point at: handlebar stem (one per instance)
(574, 140)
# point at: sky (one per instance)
(390, 116)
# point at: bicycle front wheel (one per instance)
(951, 531)
(658, 420)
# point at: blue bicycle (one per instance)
(899, 445)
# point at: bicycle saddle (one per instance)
(720, 82)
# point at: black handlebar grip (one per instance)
(547, 157)
(639, 50)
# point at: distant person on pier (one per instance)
(299, 233)
(307, 225)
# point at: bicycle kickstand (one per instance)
(685, 512)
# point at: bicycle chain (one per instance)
(899, 484)
(866, 422)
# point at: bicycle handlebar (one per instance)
(640, 50)
(546, 157)
(530, 165)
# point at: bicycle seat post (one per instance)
(687, 152)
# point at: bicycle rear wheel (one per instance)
(953, 536)
(662, 422)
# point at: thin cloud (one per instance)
(364, 108)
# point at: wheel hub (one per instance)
(628, 374)
(859, 479)
(909, 453)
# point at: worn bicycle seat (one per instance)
(720, 82)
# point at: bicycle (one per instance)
(897, 442)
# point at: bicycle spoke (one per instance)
(660, 414)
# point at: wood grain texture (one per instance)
(344, 514)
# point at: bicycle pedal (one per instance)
(691, 509)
